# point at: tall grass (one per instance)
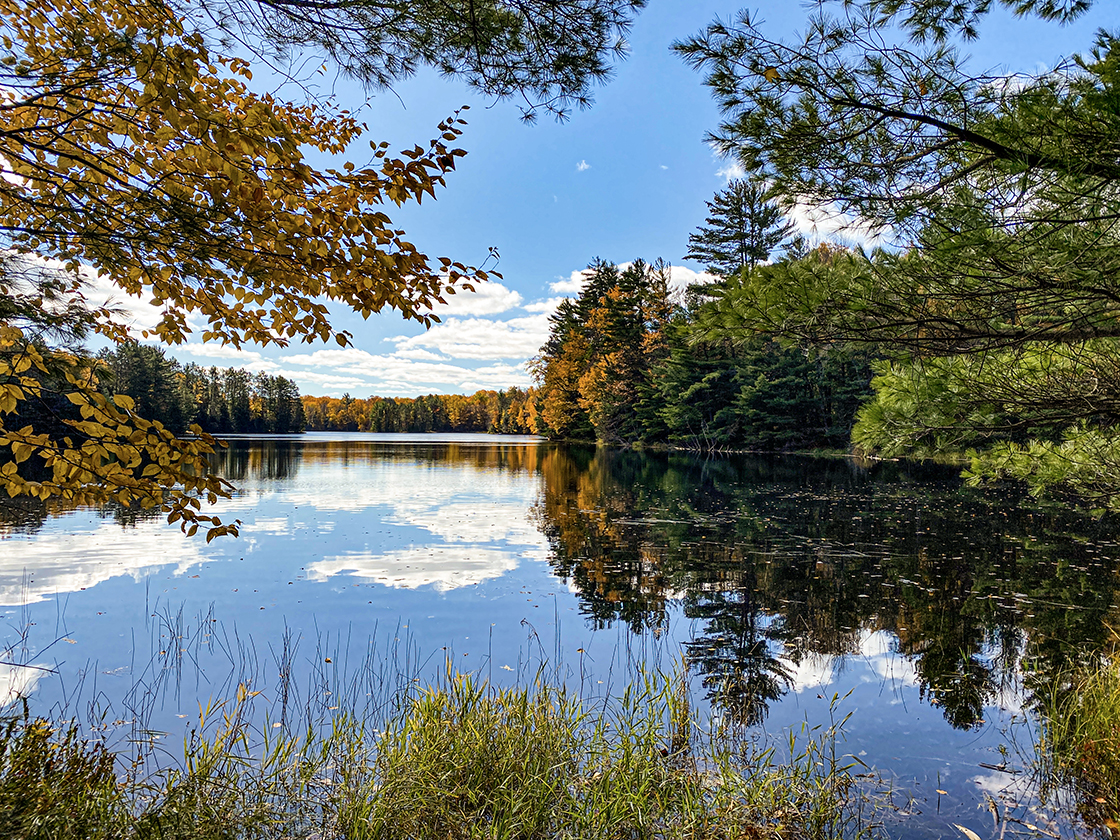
(1079, 747)
(460, 758)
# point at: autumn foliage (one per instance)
(130, 149)
(512, 411)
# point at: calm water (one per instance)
(936, 614)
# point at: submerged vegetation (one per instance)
(460, 759)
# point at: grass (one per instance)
(460, 759)
(1079, 748)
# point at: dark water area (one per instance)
(794, 589)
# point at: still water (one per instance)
(934, 614)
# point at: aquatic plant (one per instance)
(460, 758)
(1079, 746)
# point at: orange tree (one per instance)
(132, 151)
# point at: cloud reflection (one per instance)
(53, 561)
(444, 567)
(16, 682)
(877, 654)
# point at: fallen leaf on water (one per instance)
(943, 792)
(967, 832)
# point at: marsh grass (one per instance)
(1079, 747)
(458, 758)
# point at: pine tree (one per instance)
(744, 227)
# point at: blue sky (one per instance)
(626, 179)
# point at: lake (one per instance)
(795, 589)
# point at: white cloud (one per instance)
(1007, 786)
(347, 357)
(472, 522)
(478, 338)
(470, 543)
(812, 673)
(219, 351)
(413, 369)
(415, 499)
(547, 306)
(731, 171)
(880, 656)
(418, 354)
(34, 570)
(94, 289)
(489, 298)
(680, 278)
(573, 284)
(582, 166)
(133, 311)
(823, 222)
(877, 654)
(16, 682)
(663, 166)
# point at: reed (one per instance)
(460, 758)
(1079, 745)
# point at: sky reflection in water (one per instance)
(784, 582)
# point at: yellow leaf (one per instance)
(770, 74)
(21, 451)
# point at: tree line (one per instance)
(509, 411)
(218, 400)
(991, 217)
(137, 149)
(987, 295)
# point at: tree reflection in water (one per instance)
(776, 559)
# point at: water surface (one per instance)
(934, 613)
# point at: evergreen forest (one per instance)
(218, 400)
